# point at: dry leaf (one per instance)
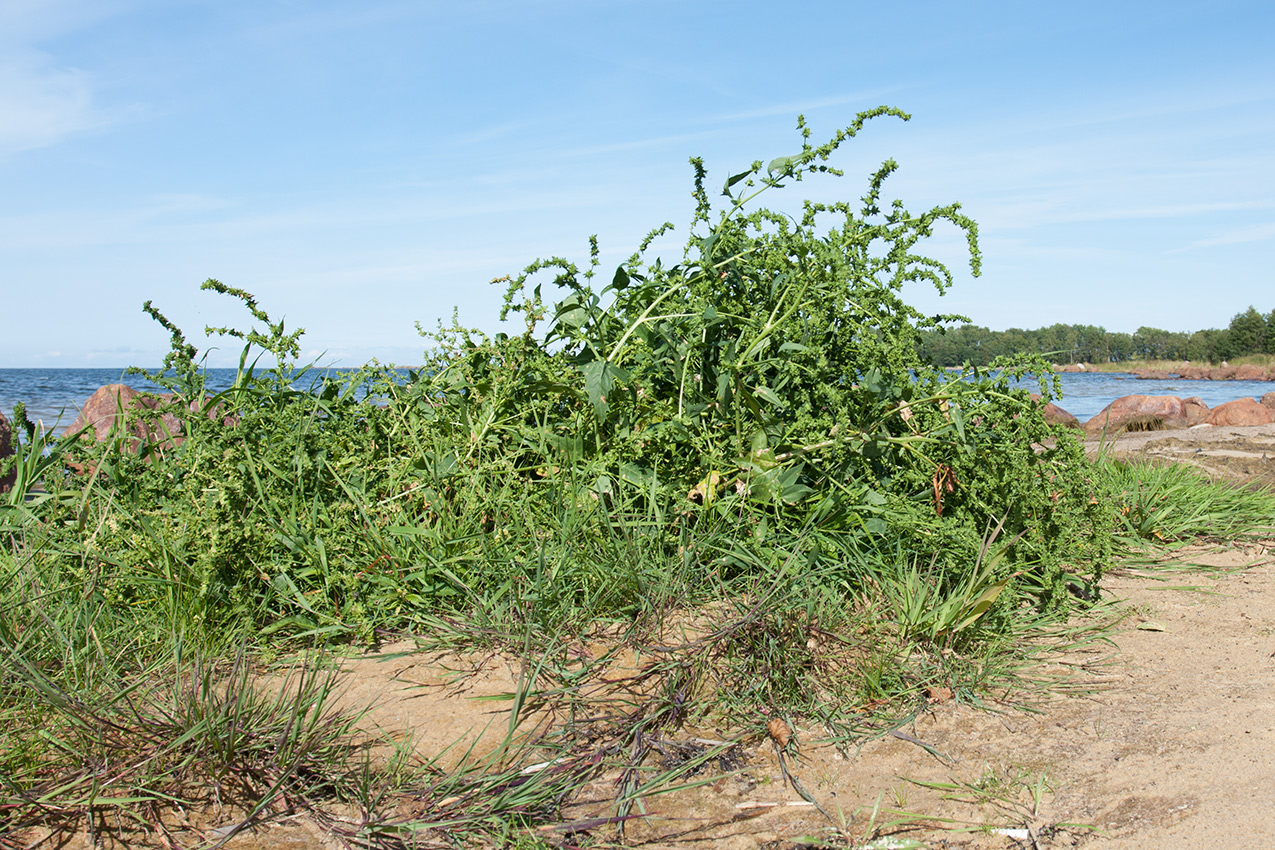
(936, 695)
(943, 481)
(779, 732)
(1151, 627)
(704, 492)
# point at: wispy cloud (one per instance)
(42, 104)
(637, 144)
(1255, 233)
(44, 101)
(28, 21)
(792, 108)
(495, 132)
(1163, 211)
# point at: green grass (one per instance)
(1177, 504)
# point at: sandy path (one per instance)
(1177, 749)
(1180, 753)
(1174, 747)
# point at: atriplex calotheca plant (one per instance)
(769, 380)
(762, 393)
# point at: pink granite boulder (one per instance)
(1196, 411)
(1055, 415)
(1242, 411)
(103, 411)
(123, 409)
(6, 451)
(1141, 413)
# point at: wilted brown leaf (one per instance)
(943, 481)
(779, 732)
(935, 696)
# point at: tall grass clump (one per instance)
(1176, 504)
(747, 424)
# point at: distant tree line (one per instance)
(1250, 332)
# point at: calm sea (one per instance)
(54, 396)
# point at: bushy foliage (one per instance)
(769, 380)
(763, 392)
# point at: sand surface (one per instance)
(1245, 455)
(1170, 742)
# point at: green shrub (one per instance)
(764, 390)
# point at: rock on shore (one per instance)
(1133, 413)
(137, 415)
(6, 449)
(1147, 413)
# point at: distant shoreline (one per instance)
(1184, 372)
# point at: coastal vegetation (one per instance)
(744, 439)
(1250, 335)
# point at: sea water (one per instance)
(54, 396)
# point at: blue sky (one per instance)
(361, 167)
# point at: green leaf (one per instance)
(599, 379)
(767, 394)
(980, 605)
(760, 458)
(571, 312)
(638, 476)
(724, 393)
(781, 164)
(791, 490)
(760, 442)
(735, 178)
(874, 382)
(958, 421)
(621, 279)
